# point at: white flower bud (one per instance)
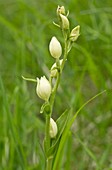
(75, 33)
(55, 48)
(61, 10)
(54, 70)
(53, 128)
(65, 22)
(43, 88)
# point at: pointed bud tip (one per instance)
(75, 33)
(65, 22)
(55, 47)
(60, 10)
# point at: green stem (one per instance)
(59, 74)
(65, 54)
(49, 163)
(54, 91)
(47, 137)
(52, 99)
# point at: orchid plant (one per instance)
(56, 130)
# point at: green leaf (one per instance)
(56, 24)
(58, 157)
(61, 123)
(29, 79)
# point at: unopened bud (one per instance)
(55, 48)
(61, 10)
(75, 33)
(43, 88)
(65, 22)
(53, 128)
(54, 69)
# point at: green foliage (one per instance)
(61, 123)
(25, 31)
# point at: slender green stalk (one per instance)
(65, 53)
(54, 91)
(47, 137)
(47, 142)
(49, 163)
(52, 99)
(59, 74)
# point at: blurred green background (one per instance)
(25, 31)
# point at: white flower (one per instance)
(65, 22)
(75, 33)
(54, 70)
(53, 128)
(43, 88)
(55, 48)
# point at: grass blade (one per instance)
(65, 134)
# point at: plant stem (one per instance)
(52, 99)
(49, 159)
(54, 91)
(65, 53)
(47, 137)
(59, 74)
(49, 163)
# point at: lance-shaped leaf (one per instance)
(61, 124)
